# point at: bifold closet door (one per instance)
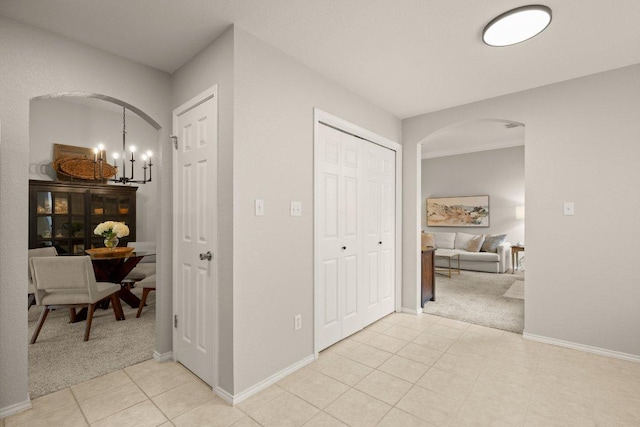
(356, 234)
(379, 223)
(340, 236)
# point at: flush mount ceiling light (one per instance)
(517, 25)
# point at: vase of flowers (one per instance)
(112, 232)
(111, 242)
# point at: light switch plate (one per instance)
(297, 322)
(259, 207)
(568, 208)
(296, 208)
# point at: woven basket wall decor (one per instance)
(85, 169)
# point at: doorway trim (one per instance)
(211, 92)
(322, 117)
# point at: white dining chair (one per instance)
(37, 252)
(147, 266)
(69, 281)
(148, 284)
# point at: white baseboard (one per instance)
(15, 408)
(224, 395)
(163, 357)
(243, 395)
(411, 310)
(582, 347)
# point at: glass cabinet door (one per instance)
(44, 219)
(64, 215)
(111, 206)
(124, 204)
(60, 220)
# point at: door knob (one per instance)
(379, 243)
(206, 256)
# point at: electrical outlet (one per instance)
(297, 322)
(568, 208)
(296, 208)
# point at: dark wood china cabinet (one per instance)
(64, 214)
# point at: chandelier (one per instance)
(100, 162)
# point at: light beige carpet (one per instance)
(478, 298)
(60, 357)
(516, 290)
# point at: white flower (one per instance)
(111, 229)
(120, 229)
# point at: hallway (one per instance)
(403, 370)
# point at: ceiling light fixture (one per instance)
(100, 160)
(517, 25)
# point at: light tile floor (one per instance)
(401, 371)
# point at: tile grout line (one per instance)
(79, 407)
(172, 388)
(143, 392)
(123, 409)
(391, 406)
(457, 412)
(430, 366)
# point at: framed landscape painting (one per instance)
(461, 211)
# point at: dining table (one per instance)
(113, 265)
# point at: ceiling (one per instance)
(408, 57)
(479, 135)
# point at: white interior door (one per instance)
(379, 232)
(195, 233)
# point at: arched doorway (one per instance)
(471, 158)
(60, 358)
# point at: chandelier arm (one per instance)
(98, 170)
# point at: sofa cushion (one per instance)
(469, 242)
(491, 242)
(444, 240)
(479, 256)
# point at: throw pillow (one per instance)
(491, 242)
(444, 240)
(428, 240)
(462, 240)
(475, 243)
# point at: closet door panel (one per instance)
(372, 278)
(380, 231)
(329, 328)
(351, 233)
(387, 230)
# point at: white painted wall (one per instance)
(58, 121)
(35, 63)
(266, 151)
(273, 160)
(496, 173)
(215, 65)
(582, 146)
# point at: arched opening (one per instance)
(481, 162)
(60, 358)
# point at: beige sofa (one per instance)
(490, 253)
